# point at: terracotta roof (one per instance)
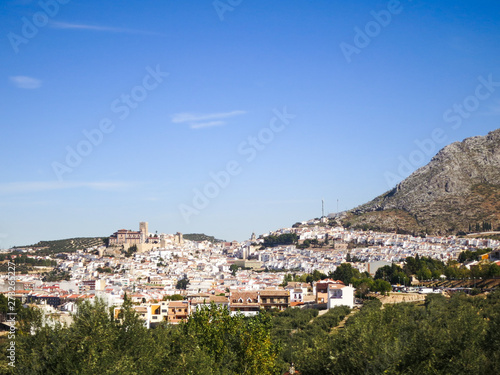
(245, 296)
(199, 295)
(274, 293)
(219, 299)
(336, 286)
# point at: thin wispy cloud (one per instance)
(25, 82)
(191, 117)
(79, 26)
(39, 186)
(199, 121)
(208, 124)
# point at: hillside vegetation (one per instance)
(458, 335)
(69, 245)
(198, 237)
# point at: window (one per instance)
(336, 293)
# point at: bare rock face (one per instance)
(457, 189)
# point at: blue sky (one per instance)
(113, 113)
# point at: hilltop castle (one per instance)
(144, 240)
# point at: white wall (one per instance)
(340, 297)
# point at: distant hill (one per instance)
(457, 192)
(201, 237)
(69, 245)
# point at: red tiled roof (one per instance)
(278, 292)
(245, 296)
(336, 286)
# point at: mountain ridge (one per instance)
(458, 189)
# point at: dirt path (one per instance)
(341, 325)
(401, 297)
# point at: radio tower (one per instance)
(322, 208)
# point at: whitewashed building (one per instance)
(340, 295)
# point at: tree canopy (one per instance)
(457, 335)
(282, 239)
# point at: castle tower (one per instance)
(179, 238)
(143, 228)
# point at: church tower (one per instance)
(143, 228)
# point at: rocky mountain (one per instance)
(458, 191)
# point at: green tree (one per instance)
(468, 255)
(317, 275)
(282, 239)
(493, 270)
(173, 297)
(286, 279)
(93, 344)
(345, 273)
(393, 274)
(235, 343)
(381, 286)
(131, 251)
(424, 274)
(443, 337)
(234, 268)
(182, 283)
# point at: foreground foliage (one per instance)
(211, 342)
(444, 336)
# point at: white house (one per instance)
(340, 295)
(297, 295)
